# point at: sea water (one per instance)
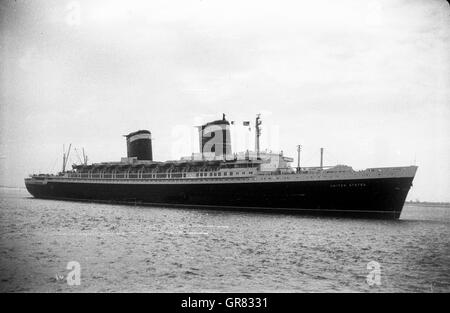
(61, 246)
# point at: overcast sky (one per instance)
(367, 80)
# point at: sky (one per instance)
(367, 80)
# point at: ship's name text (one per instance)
(348, 185)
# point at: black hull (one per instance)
(371, 198)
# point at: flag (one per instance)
(246, 123)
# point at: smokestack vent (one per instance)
(215, 138)
(139, 145)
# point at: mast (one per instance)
(224, 141)
(321, 157)
(65, 157)
(68, 153)
(78, 156)
(257, 134)
(85, 159)
(299, 148)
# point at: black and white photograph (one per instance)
(224, 151)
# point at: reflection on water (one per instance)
(132, 248)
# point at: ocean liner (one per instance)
(215, 178)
